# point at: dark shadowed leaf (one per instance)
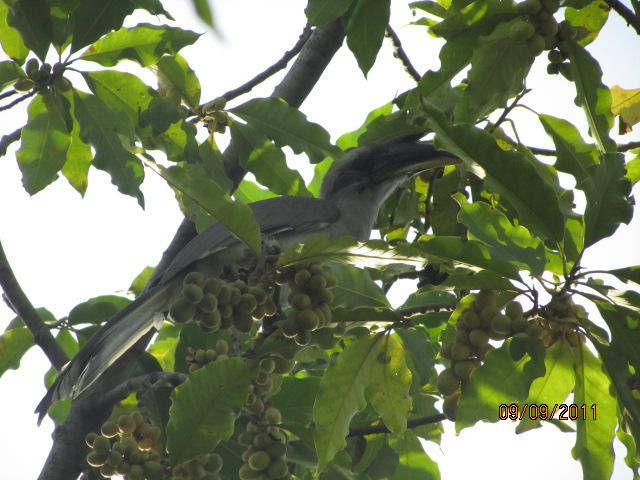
(10, 39)
(286, 125)
(266, 161)
(365, 30)
(101, 127)
(32, 18)
(205, 407)
(508, 174)
(319, 12)
(93, 20)
(44, 146)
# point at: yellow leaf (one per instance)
(626, 103)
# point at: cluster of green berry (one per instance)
(216, 304)
(538, 27)
(309, 298)
(263, 383)
(266, 447)
(477, 324)
(203, 467)
(133, 455)
(561, 319)
(42, 77)
(196, 359)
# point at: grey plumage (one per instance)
(352, 192)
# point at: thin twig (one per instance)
(149, 382)
(20, 304)
(18, 100)
(399, 53)
(412, 423)
(622, 147)
(272, 70)
(630, 17)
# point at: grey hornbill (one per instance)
(352, 192)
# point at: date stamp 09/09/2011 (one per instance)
(543, 411)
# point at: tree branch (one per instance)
(399, 53)
(412, 423)
(630, 17)
(20, 304)
(272, 70)
(147, 383)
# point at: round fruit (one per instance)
(463, 369)
(278, 469)
(450, 406)
(471, 319)
(478, 338)
(300, 301)
(102, 444)
(514, 309)
(521, 31)
(308, 320)
(529, 7)
(273, 415)
(283, 365)
(259, 461)
(535, 45)
(96, 459)
(460, 351)
(448, 383)
(23, 84)
(182, 310)
(502, 324)
(222, 347)
(126, 424)
(484, 299)
(213, 463)
(109, 429)
(302, 277)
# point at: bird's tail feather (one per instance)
(117, 336)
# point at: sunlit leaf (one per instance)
(626, 103)
(10, 39)
(414, 463)
(174, 72)
(14, 344)
(144, 44)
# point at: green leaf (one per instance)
(365, 29)
(157, 122)
(589, 15)
(508, 174)
(592, 96)
(32, 19)
(608, 194)
(14, 344)
(554, 387)
(482, 280)
(499, 65)
(594, 436)
(574, 156)
(164, 346)
(174, 72)
(503, 240)
(295, 399)
(286, 125)
(342, 395)
(414, 463)
(207, 195)
(154, 7)
(10, 39)
(79, 156)
(101, 127)
(356, 289)
(266, 161)
(44, 146)
(474, 13)
(499, 380)
(9, 72)
(466, 252)
(389, 385)
(91, 21)
(627, 274)
(204, 11)
(421, 356)
(373, 253)
(319, 12)
(97, 310)
(144, 44)
(205, 407)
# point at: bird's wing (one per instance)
(300, 217)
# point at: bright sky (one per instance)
(65, 249)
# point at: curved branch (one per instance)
(399, 53)
(148, 383)
(630, 17)
(20, 304)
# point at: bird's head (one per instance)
(371, 172)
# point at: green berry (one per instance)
(126, 424)
(308, 320)
(460, 351)
(448, 383)
(23, 84)
(182, 310)
(247, 304)
(102, 444)
(195, 278)
(277, 469)
(471, 319)
(535, 45)
(213, 463)
(259, 461)
(478, 337)
(300, 301)
(521, 31)
(554, 56)
(273, 416)
(109, 429)
(283, 365)
(463, 369)
(502, 324)
(96, 459)
(450, 406)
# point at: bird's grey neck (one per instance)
(357, 216)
